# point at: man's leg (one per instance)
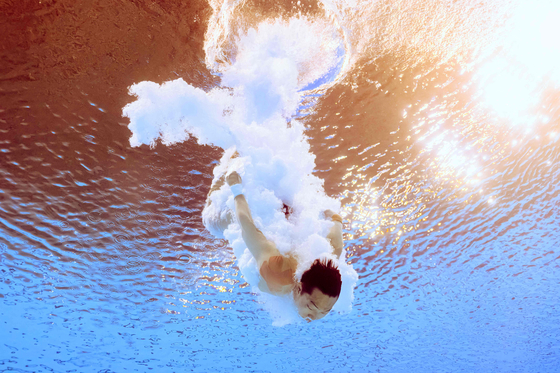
(217, 221)
(215, 186)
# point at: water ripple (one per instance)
(451, 211)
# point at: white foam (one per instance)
(249, 114)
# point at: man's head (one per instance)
(318, 290)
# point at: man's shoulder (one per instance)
(278, 272)
(279, 262)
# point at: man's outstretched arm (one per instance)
(256, 242)
(335, 234)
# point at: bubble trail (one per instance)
(253, 112)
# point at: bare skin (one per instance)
(261, 248)
(312, 306)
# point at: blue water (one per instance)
(451, 214)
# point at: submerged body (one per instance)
(277, 271)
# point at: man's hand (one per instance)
(328, 214)
(233, 178)
(335, 234)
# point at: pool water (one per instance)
(435, 124)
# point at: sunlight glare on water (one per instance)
(524, 61)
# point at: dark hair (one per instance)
(323, 275)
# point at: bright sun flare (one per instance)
(511, 83)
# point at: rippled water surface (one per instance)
(439, 135)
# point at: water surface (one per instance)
(440, 137)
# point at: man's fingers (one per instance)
(233, 178)
(328, 213)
